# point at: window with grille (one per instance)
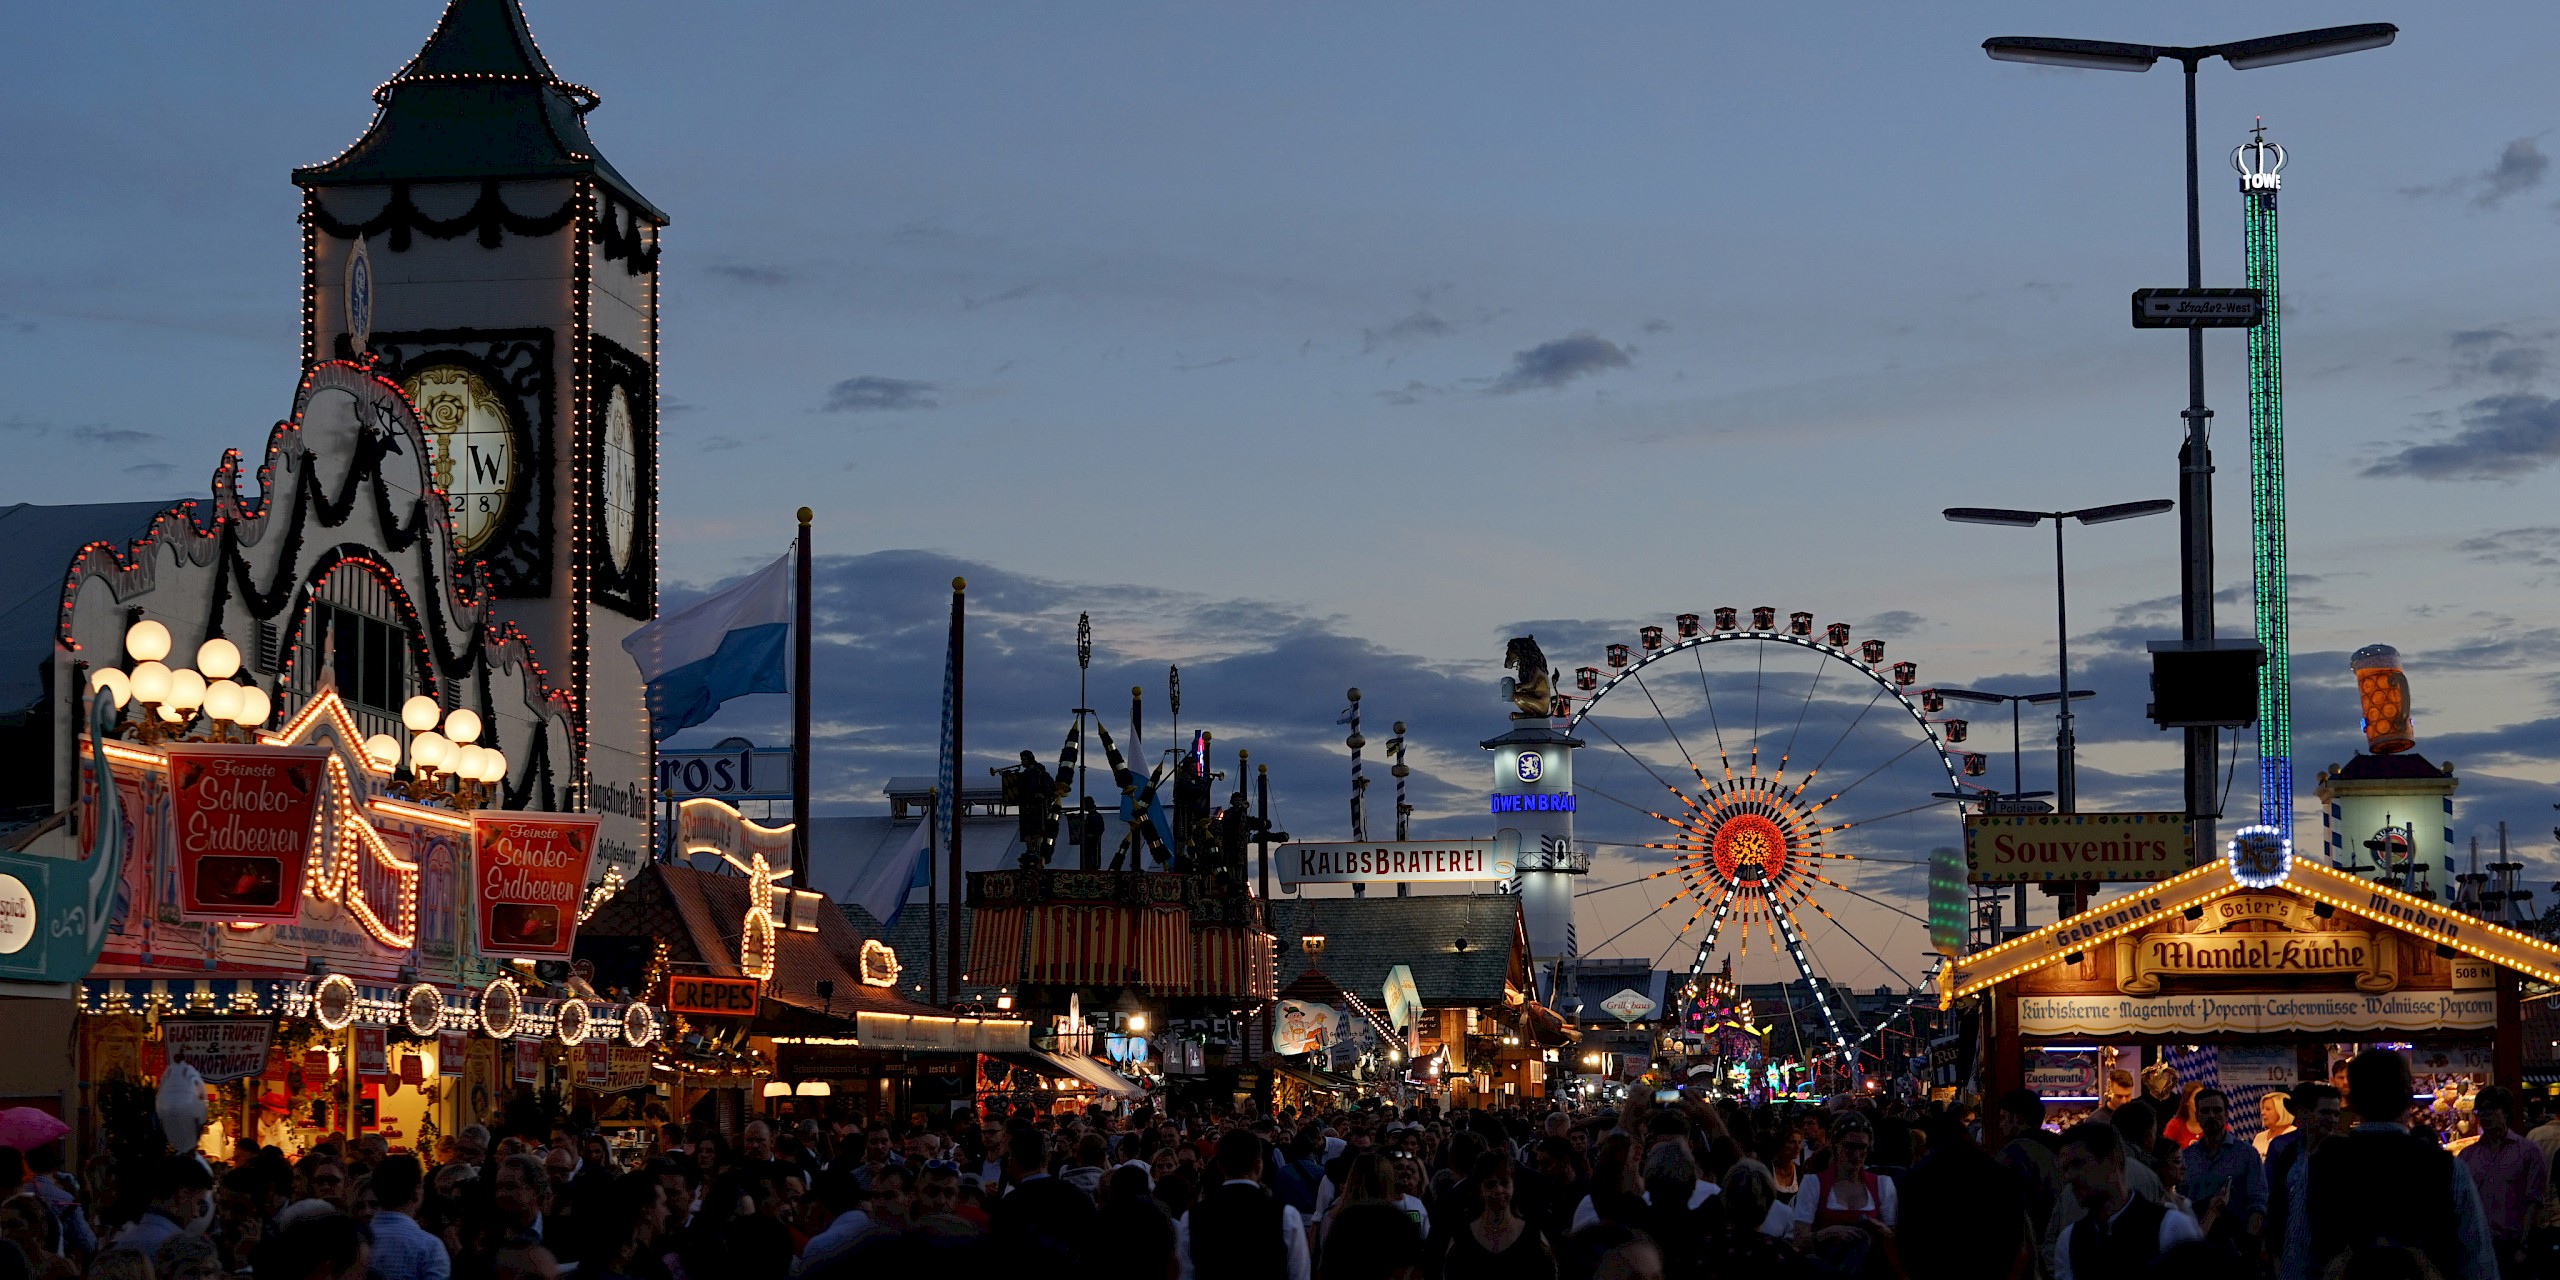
(370, 657)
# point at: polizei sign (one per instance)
(1388, 862)
(2005, 848)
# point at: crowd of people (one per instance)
(1686, 1189)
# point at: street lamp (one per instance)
(2066, 775)
(2195, 455)
(2017, 774)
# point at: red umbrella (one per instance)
(26, 1128)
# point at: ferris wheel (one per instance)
(1754, 767)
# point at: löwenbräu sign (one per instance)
(528, 872)
(241, 818)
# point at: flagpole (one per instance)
(800, 708)
(959, 607)
(932, 903)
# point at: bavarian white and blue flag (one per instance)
(726, 646)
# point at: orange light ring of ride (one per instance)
(1752, 824)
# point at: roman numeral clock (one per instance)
(511, 275)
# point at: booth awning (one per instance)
(1076, 1066)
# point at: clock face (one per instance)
(471, 447)
(621, 481)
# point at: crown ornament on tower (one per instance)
(2260, 162)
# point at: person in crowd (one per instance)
(1847, 1193)
(1611, 1251)
(2120, 1233)
(2317, 1110)
(2435, 1207)
(1961, 1212)
(187, 1255)
(838, 1200)
(1372, 1242)
(2275, 1120)
(403, 1250)
(181, 1193)
(2511, 1172)
(2225, 1172)
(2015, 1130)
(320, 1246)
(1238, 1228)
(1497, 1244)
(1042, 1225)
(520, 1197)
(2181, 1126)
(121, 1262)
(29, 1223)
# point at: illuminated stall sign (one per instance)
(1389, 861)
(220, 1049)
(531, 869)
(241, 820)
(1534, 802)
(705, 997)
(2003, 848)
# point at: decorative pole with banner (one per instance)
(800, 705)
(946, 808)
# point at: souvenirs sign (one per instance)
(2009, 848)
(220, 1049)
(531, 869)
(241, 820)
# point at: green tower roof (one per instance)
(478, 102)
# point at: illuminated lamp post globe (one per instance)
(454, 753)
(172, 698)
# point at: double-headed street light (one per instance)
(2195, 456)
(2017, 795)
(2066, 774)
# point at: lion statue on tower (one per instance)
(1532, 692)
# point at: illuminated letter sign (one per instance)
(712, 997)
(1389, 862)
(528, 870)
(1534, 802)
(241, 817)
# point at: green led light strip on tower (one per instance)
(2261, 164)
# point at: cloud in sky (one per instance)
(872, 393)
(1419, 327)
(1552, 364)
(2520, 167)
(744, 274)
(2502, 437)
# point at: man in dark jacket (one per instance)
(1041, 1226)
(1238, 1230)
(2433, 1206)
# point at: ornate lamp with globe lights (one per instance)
(173, 700)
(449, 768)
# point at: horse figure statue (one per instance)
(1532, 693)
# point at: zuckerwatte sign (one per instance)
(2007, 848)
(1389, 862)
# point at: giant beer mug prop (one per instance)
(2382, 690)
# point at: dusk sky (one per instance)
(1319, 345)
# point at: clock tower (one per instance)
(514, 295)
